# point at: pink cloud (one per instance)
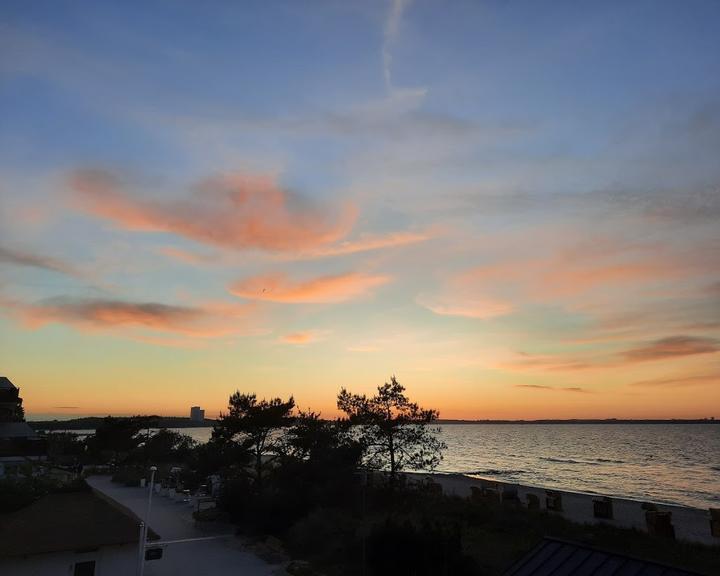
(209, 321)
(235, 211)
(324, 289)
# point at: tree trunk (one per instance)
(391, 446)
(258, 468)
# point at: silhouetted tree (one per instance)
(64, 447)
(118, 436)
(167, 445)
(320, 459)
(255, 426)
(395, 431)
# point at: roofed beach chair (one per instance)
(715, 522)
(659, 523)
(491, 489)
(603, 508)
(533, 502)
(509, 495)
(553, 500)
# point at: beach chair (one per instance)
(509, 495)
(659, 523)
(603, 508)
(476, 494)
(715, 522)
(553, 501)
(434, 489)
(491, 489)
(533, 502)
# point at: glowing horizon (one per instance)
(514, 209)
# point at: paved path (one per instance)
(173, 521)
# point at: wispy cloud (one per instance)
(680, 381)
(369, 242)
(323, 289)
(390, 33)
(208, 321)
(469, 307)
(32, 260)
(575, 389)
(663, 349)
(672, 347)
(303, 337)
(237, 211)
(186, 256)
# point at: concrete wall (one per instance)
(109, 561)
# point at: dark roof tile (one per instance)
(67, 521)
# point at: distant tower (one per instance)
(197, 414)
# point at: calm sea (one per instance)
(672, 463)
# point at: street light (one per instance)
(144, 525)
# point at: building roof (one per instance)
(5, 384)
(554, 557)
(67, 521)
(16, 430)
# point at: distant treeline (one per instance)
(92, 422)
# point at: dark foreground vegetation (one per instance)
(335, 494)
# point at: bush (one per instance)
(395, 549)
(16, 493)
(327, 532)
(128, 475)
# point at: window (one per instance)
(85, 568)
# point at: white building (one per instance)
(75, 534)
(197, 414)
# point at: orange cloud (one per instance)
(101, 314)
(543, 362)
(560, 277)
(325, 289)
(672, 347)
(304, 337)
(233, 211)
(368, 242)
(578, 272)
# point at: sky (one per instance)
(510, 206)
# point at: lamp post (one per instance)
(144, 525)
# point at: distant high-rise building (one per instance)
(197, 414)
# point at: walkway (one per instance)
(173, 521)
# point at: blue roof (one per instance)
(559, 558)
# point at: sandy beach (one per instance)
(690, 524)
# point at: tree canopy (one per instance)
(395, 432)
(252, 424)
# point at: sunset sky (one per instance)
(514, 207)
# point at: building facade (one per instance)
(197, 414)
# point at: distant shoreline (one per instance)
(92, 422)
(588, 421)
